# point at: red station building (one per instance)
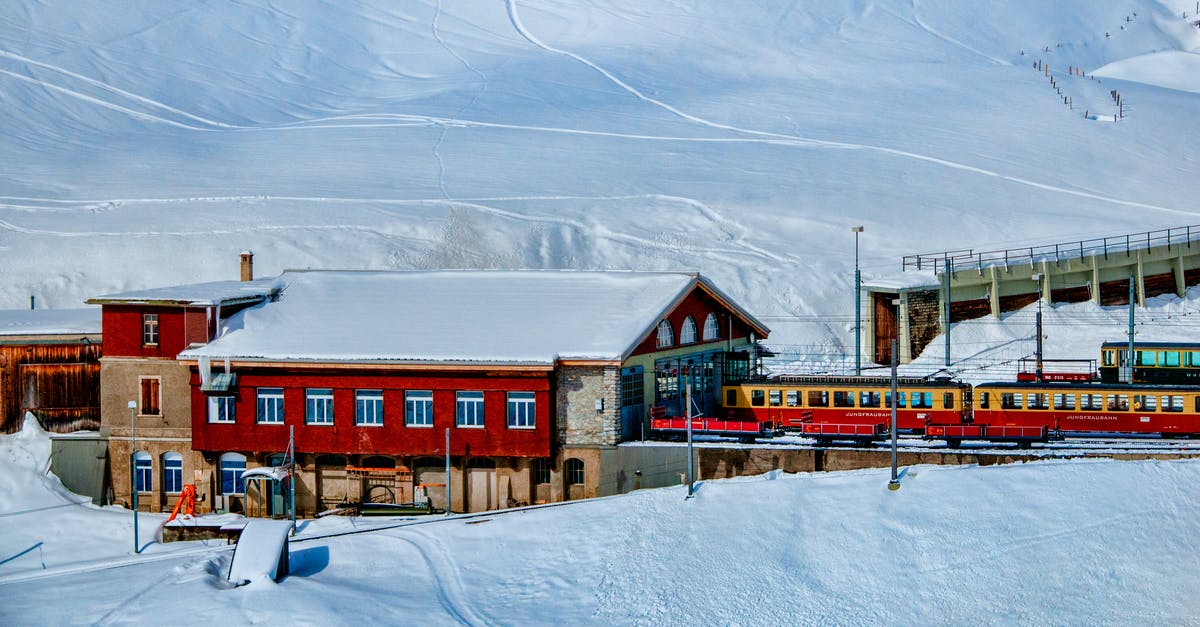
(535, 376)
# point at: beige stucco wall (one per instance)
(120, 382)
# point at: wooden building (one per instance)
(536, 376)
(50, 366)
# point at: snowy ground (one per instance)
(1078, 543)
(147, 146)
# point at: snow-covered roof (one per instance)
(50, 321)
(467, 316)
(195, 294)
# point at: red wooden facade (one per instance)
(393, 437)
(698, 304)
(177, 327)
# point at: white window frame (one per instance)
(167, 459)
(318, 406)
(712, 328)
(422, 400)
(143, 467)
(368, 408)
(150, 329)
(222, 409)
(666, 335)
(269, 406)
(687, 332)
(469, 409)
(236, 458)
(522, 410)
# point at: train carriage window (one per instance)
(1174, 404)
(818, 398)
(1170, 359)
(1091, 402)
(1008, 400)
(899, 396)
(922, 400)
(1144, 358)
(1109, 357)
(758, 398)
(948, 400)
(1118, 402)
(1064, 401)
(793, 398)
(776, 397)
(1145, 402)
(868, 399)
(983, 399)
(1039, 401)
(1193, 358)
(731, 399)
(842, 398)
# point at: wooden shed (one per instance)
(50, 365)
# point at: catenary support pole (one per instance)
(687, 382)
(894, 484)
(1038, 350)
(946, 308)
(1129, 359)
(857, 306)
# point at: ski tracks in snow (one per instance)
(515, 19)
(451, 592)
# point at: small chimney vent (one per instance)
(247, 265)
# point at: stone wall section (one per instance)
(924, 319)
(579, 389)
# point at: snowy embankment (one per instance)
(1079, 542)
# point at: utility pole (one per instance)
(447, 471)
(133, 471)
(894, 484)
(292, 475)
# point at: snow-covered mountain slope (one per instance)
(147, 145)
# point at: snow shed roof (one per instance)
(196, 294)
(469, 316)
(50, 321)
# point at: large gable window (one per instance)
(666, 335)
(687, 334)
(712, 329)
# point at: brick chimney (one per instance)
(247, 265)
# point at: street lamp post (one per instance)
(857, 306)
(133, 470)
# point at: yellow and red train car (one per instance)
(851, 407)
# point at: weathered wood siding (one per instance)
(58, 382)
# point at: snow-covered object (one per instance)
(50, 321)
(533, 317)
(277, 473)
(196, 294)
(261, 553)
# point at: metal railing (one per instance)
(1105, 246)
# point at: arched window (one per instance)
(232, 467)
(687, 334)
(666, 335)
(712, 328)
(143, 471)
(172, 472)
(573, 468)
